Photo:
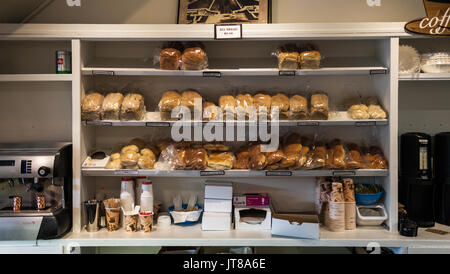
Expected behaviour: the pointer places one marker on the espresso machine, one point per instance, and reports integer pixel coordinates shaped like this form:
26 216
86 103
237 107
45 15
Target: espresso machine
35 191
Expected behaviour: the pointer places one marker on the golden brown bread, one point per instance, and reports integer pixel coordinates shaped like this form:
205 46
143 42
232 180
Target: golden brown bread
148 153
353 158
146 162
196 159
291 156
376 112
170 59
338 154
281 101
319 106
310 59
288 60
133 107
262 102
133 148
91 107
216 147
244 102
298 104
242 160
274 157
115 156
114 164
257 161
359 112
111 106
227 103
210 111
194 58
129 158
221 161
188 99
169 101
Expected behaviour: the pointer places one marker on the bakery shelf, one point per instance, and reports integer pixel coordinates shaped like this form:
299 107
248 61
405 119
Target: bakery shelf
425 77
234 173
234 72
35 77
153 119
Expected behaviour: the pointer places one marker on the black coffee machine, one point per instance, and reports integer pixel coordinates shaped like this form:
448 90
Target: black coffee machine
442 177
417 188
35 191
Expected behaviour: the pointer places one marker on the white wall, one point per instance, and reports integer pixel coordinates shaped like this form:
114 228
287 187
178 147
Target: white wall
284 11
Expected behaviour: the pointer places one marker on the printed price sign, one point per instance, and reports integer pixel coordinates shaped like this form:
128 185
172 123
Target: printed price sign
222 32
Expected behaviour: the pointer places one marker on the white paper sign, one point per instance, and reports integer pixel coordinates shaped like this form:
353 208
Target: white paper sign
228 32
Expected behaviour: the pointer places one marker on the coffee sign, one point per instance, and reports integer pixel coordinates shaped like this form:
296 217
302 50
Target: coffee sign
437 22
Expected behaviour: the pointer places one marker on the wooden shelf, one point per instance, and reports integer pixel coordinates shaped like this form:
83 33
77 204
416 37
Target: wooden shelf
425 77
35 77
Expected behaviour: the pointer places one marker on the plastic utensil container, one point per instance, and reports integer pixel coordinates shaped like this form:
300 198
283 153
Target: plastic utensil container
362 219
191 217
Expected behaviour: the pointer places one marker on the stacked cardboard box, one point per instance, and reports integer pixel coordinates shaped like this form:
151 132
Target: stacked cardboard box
217 206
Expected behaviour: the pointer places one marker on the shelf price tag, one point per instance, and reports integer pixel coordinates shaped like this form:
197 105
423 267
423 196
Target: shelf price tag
366 124
311 124
212 173
278 173
124 172
157 124
229 31
344 173
216 74
290 73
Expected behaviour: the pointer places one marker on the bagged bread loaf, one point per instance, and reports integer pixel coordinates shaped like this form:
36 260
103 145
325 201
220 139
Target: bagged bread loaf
194 57
353 157
170 56
262 102
319 106
169 101
298 107
242 160
228 105
309 58
338 154
210 111
133 107
359 112
373 158
188 99
281 102
91 107
196 159
111 106
316 156
288 57
221 161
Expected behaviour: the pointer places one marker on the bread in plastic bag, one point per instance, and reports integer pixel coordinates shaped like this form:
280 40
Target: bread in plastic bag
298 107
353 157
262 102
281 102
195 159
221 161
194 57
359 112
91 107
316 156
309 58
288 57
111 106
319 106
228 105
170 56
242 160
376 112
188 99
133 107
210 111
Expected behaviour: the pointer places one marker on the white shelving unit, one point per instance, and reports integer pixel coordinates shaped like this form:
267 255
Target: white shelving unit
364 59
425 77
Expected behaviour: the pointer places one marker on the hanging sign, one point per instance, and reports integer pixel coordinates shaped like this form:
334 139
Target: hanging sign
437 22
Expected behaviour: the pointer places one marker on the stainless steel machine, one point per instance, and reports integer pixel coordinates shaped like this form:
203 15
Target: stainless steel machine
35 191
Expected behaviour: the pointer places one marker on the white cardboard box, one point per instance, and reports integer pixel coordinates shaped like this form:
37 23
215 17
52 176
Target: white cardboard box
213 221
219 190
242 213
296 225
217 205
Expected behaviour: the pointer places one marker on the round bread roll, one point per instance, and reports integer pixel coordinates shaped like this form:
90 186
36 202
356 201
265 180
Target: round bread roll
132 148
114 156
188 98
129 158
114 164
244 101
210 111
281 101
148 153
146 162
227 102
261 101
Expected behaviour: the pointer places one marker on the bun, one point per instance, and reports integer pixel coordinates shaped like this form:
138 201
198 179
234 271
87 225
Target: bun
274 157
281 101
169 101
243 102
111 106
146 162
359 112
257 161
221 161
319 106
353 158
292 155
242 160
262 102
148 153
114 164
376 112
338 154
227 103
194 58
133 148
210 111
170 59
188 99
133 107
114 156
129 158
91 107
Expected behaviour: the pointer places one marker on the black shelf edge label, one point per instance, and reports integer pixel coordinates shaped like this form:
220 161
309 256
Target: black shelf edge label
378 71
99 123
366 124
214 74
212 173
125 172
290 73
103 72
157 124
313 124
227 31
344 173
277 173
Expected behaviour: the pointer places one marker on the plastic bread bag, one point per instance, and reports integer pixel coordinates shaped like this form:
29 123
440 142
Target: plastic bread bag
111 106
309 57
280 105
168 159
169 101
195 159
133 107
298 107
91 107
178 203
288 57
338 154
194 57
245 106
263 103
211 111
169 56
353 156
319 106
317 156
227 104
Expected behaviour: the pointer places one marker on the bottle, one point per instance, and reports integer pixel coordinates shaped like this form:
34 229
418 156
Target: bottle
127 194
147 196
139 181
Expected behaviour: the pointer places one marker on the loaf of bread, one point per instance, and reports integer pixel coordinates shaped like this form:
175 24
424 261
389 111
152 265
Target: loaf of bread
111 106
210 111
359 112
227 103
317 157
291 155
310 59
194 57
169 101
262 102
221 161
281 102
288 57
242 160
298 107
196 159
170 56
338 154
376 112
91 107
133 107
319 106
353 157
243 103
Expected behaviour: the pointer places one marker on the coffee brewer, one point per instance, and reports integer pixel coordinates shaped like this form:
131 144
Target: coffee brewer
417 187
35 191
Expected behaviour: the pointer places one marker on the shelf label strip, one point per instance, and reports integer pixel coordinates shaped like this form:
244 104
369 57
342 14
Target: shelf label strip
378 71
290 73
157 124
212 173
344 173
103 72
278 173
214 74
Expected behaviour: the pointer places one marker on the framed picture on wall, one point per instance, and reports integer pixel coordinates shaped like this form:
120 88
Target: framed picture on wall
224 11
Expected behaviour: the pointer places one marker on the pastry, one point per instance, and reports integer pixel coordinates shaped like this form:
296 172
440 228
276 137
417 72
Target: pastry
353 158
133 107
338 154
170 56
359 112
169 101
273 167
133 148
111 106
244 102
194 57
210 111
329 160
188 99
378 160
310 59
281 101
114 164
221 161
146 162
298 106
91 107
317 157
129 158
227 103
242 160
376 112
114 156
262 102
319 106
196 159
292 155
257 161
274 157
216 147
148 153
